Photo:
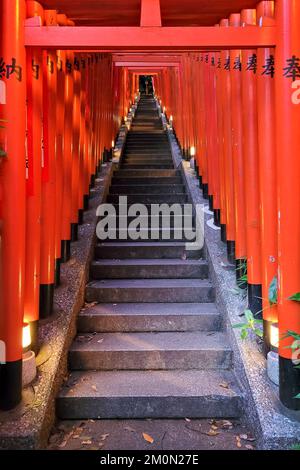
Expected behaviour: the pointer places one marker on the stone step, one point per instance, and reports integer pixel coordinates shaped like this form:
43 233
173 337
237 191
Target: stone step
150 250
147 173
146 180
150 198
145 290
147 189
149 269
151 351
141 166
149 317
149 394
130 234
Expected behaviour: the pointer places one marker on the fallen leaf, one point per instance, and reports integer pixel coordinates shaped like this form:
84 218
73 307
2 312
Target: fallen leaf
224 385
94 387
100 340
212 432
63 444
244 437
249 447
187 419
238 442
148 438
104 436
86 443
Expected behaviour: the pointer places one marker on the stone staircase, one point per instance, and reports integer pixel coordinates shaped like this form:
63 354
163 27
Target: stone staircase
153 346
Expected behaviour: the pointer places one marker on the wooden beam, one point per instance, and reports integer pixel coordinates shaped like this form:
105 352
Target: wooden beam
146 64
150 13
154 38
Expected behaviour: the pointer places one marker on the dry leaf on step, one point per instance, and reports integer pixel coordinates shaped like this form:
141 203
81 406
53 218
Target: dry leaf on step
104 436
212 432
148 438
238 442
224 385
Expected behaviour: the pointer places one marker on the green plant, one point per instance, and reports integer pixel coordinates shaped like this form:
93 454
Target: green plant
251 324
273 291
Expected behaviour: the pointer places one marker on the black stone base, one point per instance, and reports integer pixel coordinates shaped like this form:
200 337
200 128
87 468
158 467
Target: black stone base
80 217
217 217
289 384
205 190
241 271
255 300
10 384
46 300
211 203
34 330
231 251
65 250
86 203
74 232
223 233
57 272
92 181
267 335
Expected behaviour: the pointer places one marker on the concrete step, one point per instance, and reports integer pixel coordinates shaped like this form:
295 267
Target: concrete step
149 394
149 269
150 250
146 290
149 317
147 189
150 198
151 351
153 173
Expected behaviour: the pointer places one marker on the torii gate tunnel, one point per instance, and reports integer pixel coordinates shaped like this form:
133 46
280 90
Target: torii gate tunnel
228 77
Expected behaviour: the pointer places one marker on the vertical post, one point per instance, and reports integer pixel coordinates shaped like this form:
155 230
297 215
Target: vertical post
12 179
251 166
67 162
237 157
227 142
60 120
33 189
48 215
75 150
267 170
287 84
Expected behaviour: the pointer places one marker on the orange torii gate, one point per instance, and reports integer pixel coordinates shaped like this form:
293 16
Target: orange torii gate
247 61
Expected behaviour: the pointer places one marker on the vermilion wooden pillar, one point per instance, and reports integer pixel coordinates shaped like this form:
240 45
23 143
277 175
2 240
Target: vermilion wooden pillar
67 161
48 205
82 138
251 167
34 146
237 157
75 149
287 88
12 179
227 143
60 121
267 170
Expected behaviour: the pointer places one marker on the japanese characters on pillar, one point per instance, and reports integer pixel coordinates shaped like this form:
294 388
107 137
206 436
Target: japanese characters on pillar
13 197
287 88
